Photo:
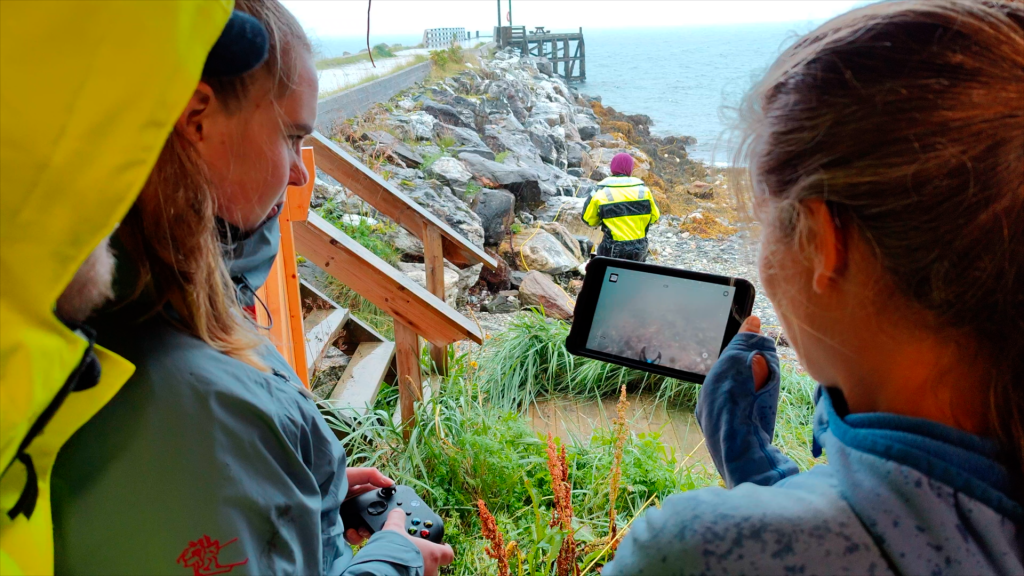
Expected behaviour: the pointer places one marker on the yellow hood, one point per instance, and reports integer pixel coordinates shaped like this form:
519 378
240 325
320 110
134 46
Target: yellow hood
89 91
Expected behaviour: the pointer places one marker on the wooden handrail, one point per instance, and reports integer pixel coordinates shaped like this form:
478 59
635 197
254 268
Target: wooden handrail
394 204
393 292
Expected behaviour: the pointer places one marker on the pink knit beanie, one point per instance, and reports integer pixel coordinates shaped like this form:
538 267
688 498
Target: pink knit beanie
622 164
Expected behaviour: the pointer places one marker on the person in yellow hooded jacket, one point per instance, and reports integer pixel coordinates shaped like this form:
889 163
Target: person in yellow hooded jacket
90 91
625 210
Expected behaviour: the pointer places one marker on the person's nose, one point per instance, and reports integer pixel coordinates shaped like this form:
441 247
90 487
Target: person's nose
298 175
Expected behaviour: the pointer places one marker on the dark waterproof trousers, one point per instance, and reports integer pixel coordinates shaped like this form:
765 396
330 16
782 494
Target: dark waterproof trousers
635 250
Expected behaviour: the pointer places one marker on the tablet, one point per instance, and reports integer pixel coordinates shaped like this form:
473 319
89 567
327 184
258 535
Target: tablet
659 319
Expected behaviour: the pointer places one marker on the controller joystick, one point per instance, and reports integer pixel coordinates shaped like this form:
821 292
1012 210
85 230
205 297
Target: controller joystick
370 510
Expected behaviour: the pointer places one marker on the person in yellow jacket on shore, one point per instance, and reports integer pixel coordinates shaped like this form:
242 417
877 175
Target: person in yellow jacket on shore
90 91
625 209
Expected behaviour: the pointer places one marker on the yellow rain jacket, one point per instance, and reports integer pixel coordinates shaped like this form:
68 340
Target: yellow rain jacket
89 91
623 206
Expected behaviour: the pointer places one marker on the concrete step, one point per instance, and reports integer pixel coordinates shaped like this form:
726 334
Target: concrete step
358 387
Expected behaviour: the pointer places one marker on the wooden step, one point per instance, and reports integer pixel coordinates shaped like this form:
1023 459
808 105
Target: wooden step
358 387
323 330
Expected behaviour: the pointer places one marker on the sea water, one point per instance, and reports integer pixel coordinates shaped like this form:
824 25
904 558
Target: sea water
688 80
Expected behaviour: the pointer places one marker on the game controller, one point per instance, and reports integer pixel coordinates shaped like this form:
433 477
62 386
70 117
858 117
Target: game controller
370 510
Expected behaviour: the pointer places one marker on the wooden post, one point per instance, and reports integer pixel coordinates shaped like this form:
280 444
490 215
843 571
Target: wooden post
565 54
583 57
433 258
293 302
410 380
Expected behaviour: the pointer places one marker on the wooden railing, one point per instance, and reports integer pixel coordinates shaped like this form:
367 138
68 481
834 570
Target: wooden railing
417 311
440 242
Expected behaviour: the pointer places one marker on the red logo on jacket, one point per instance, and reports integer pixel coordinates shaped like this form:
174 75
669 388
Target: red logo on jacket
201 557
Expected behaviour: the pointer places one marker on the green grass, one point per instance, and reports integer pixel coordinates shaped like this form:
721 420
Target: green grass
464 448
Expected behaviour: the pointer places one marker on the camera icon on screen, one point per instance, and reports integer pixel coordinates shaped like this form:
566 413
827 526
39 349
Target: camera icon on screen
613 277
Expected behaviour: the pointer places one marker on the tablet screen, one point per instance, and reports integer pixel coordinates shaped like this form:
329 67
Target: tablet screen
673 322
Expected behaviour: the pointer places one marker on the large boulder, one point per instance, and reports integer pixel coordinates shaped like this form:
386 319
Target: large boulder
405 242
574 152
421 125
418 273
523 183
553 113
496 209
587 128
446 114
550 143
481 151
498 279
462 136
539 290
439 200
558 205
403 151
536 249
568 240
452 173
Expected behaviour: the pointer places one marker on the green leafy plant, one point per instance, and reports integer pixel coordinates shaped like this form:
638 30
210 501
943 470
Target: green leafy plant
500 156
446 142
472 189
440 59
382 51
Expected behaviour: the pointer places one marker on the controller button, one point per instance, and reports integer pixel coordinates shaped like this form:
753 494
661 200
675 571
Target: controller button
398 503
408 513
424 533
412 531
415 521
428 524
377 507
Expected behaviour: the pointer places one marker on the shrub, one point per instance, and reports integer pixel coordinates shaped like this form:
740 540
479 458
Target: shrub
500 156
440 59
383 51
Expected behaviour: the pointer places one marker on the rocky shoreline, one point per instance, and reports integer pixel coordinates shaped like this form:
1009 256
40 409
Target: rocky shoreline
506 153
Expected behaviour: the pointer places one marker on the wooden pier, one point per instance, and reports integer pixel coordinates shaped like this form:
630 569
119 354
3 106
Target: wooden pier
566 51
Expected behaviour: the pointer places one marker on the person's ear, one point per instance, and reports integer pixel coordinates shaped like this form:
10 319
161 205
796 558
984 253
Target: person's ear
196 113
830 257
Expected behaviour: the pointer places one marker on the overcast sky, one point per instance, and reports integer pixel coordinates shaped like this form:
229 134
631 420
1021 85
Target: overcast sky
345 18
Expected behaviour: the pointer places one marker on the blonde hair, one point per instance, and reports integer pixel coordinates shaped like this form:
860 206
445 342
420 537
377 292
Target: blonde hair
171 234
906 118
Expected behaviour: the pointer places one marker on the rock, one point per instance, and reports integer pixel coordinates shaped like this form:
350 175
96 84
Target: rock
517 142
468 277
544 66
586 244
462 136
552 113
600 173
440 201
481 151
399 173
501 304
574 152
404 152
407 105
701 190
558 205
339 196
422 125
538 250
550 143
587 128
563 235
539 290
356 220
575 286
498 279
452 173
523 183
516 278
445 113
405 242
495 209
526 218
418 273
